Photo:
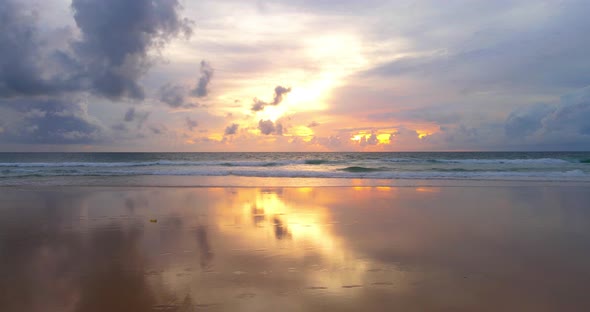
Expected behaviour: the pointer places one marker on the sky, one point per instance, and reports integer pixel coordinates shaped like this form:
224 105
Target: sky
298 75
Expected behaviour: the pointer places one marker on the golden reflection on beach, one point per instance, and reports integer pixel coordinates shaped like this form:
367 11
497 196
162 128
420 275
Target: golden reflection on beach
293 249
263 221
428 189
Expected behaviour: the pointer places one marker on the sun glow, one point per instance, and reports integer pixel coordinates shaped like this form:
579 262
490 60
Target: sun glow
273 112
358 137
331 59
382 138
301 131
423 133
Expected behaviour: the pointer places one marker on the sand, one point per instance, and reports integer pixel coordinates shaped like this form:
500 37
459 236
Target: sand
484 248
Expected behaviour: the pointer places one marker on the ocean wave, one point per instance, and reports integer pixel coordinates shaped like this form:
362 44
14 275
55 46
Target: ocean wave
149 164
318 161
524 161
484 161
359 169
491 161
401 160
278 163
360 173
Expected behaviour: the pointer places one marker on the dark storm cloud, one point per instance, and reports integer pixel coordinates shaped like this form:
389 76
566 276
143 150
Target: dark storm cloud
20 54
268 127
116 38
51 122
206 74
108 59
231 129
280 92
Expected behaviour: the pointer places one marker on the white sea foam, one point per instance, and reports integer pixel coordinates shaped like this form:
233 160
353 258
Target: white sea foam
323 165
244 172
522 161
526 161
150 163
233 163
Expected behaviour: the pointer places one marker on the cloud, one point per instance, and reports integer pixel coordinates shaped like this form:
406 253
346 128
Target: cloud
473 56
527 120
406 138
313 124
563 124
190 123
41 73
116 37
280 91
231 129
443 114
372 140
51 122
267 127
258 105
137 116
572 114
21 58
175 95
158 129
172 95
109 58
331 142
200 89
120 127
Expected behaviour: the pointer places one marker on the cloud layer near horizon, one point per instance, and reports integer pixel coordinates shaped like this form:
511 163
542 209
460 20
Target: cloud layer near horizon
126 74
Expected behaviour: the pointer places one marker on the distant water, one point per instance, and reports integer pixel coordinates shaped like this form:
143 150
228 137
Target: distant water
542 166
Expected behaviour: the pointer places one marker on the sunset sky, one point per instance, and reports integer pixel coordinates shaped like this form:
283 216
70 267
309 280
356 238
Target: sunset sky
299 75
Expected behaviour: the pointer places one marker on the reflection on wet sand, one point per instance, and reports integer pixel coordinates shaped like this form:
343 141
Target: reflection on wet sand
294 249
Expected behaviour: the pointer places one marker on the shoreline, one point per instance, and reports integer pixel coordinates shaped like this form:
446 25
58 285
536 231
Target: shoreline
253 182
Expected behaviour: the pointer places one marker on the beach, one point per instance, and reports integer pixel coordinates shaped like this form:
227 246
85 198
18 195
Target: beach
446 247
294 156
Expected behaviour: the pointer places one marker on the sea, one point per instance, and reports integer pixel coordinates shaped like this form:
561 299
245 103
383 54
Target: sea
56 168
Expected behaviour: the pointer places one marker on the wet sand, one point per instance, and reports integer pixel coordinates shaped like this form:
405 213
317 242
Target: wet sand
492 248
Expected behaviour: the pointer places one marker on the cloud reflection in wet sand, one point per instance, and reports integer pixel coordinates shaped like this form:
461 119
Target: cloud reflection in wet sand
294 249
